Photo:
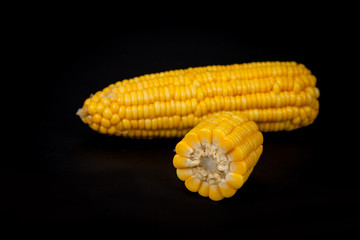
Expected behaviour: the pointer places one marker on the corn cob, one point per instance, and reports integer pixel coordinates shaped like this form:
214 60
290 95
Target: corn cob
276 95
217 156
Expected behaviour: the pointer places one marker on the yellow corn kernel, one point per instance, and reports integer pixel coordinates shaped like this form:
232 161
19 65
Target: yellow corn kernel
103 130
95 126
105 123
107 113
96 118
183 149
114 107
91 108
184 173
204 189
181 162
111 130
100 107
241 167
276 95
192 139
226 190
193 183
235 180
115 119
203 159
215 193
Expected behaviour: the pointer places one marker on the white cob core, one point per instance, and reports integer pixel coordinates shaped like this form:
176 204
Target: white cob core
210 164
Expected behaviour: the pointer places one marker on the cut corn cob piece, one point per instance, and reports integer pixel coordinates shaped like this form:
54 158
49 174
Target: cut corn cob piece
216 157
276 95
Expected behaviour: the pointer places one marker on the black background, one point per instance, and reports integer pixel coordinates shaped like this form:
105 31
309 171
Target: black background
68 177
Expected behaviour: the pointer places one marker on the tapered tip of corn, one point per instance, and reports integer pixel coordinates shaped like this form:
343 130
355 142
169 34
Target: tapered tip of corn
218 155
79 113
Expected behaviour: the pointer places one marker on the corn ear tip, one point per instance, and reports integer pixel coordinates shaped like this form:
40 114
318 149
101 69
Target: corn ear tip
81 113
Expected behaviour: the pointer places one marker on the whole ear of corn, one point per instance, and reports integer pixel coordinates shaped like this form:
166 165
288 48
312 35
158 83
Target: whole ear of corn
217 156
276 95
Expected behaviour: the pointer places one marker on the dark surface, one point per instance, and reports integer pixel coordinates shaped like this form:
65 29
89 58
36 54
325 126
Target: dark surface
70 177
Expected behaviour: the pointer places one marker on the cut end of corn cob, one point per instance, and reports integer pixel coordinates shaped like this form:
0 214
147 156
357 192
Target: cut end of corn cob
276 95
217 156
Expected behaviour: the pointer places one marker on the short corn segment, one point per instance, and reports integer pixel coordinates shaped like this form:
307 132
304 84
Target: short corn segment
217 156
276 95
